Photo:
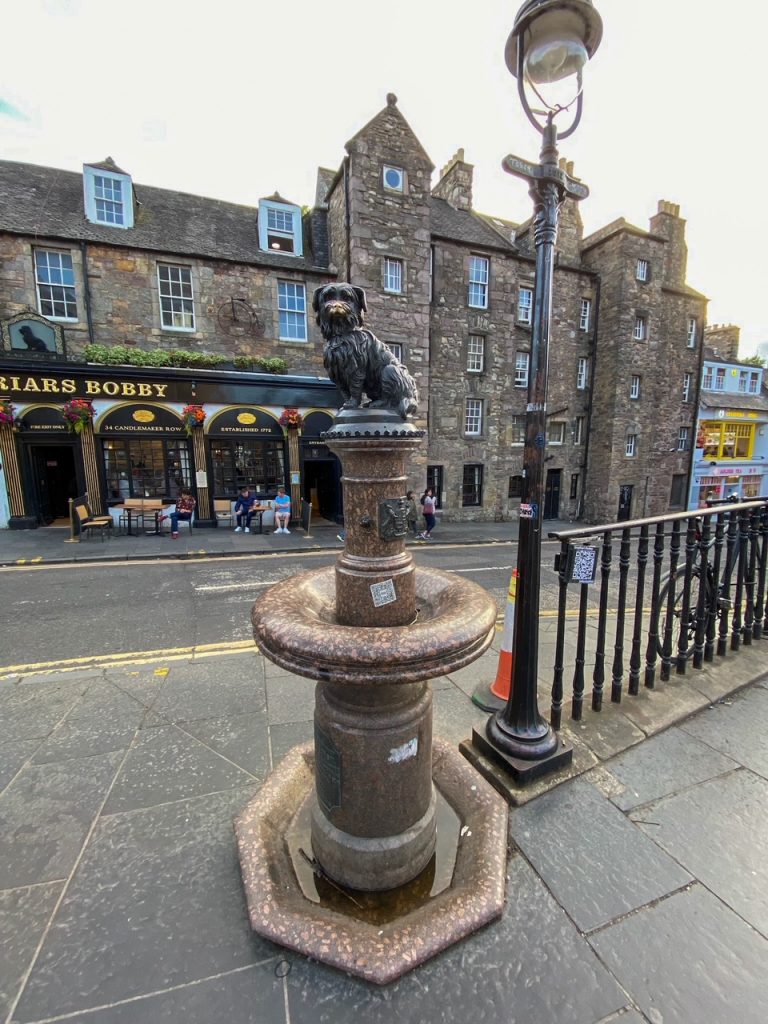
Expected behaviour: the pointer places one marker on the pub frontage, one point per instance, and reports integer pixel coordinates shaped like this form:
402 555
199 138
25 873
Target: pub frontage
117 432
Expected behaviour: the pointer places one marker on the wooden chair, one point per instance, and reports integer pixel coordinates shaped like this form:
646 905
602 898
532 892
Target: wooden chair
222 509
88 522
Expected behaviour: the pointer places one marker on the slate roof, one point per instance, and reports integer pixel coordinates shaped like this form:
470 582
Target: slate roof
464 226
734 400
48 202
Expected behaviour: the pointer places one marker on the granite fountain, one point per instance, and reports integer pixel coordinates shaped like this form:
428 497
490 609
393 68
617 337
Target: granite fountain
376 846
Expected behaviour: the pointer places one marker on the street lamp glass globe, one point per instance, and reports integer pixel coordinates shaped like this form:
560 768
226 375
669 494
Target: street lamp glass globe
554 57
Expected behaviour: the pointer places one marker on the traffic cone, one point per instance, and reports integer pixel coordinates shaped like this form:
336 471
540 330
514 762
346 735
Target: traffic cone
494 697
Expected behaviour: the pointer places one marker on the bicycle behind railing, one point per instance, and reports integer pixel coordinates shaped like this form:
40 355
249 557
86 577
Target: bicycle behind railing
703 594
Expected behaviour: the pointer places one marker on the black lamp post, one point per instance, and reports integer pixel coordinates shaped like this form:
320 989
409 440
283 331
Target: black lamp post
549 45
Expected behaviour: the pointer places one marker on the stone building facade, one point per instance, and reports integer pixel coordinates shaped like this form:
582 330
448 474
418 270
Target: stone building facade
449 289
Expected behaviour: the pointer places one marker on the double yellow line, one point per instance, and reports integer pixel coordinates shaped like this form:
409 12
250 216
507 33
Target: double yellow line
103 661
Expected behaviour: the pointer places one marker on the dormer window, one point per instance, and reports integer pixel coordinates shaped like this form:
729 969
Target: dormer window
280 227
108 194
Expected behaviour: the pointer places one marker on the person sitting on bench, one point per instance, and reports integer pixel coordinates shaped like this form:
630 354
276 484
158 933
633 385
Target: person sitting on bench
244 509
185 506
282 504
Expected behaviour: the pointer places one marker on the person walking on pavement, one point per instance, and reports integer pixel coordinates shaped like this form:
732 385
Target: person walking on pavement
244 509
282 505
428 511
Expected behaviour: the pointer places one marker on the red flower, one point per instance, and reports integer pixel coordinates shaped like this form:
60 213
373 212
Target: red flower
291 417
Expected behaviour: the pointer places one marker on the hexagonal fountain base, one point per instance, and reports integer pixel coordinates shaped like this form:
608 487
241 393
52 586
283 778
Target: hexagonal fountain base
380 953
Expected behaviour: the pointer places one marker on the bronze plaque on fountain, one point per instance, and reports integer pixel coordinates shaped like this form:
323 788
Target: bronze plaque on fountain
327 771
393 518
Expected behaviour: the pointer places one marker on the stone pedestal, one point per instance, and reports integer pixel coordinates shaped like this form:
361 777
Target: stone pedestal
373 631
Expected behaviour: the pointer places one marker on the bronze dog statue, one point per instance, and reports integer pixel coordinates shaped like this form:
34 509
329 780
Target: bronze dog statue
354 358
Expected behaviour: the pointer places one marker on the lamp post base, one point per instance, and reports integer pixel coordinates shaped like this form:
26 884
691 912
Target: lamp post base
524 770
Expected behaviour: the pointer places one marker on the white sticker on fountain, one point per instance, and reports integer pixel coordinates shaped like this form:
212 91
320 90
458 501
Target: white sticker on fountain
405 752
383 593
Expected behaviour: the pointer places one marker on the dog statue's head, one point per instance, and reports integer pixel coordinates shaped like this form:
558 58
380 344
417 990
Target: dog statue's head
340 308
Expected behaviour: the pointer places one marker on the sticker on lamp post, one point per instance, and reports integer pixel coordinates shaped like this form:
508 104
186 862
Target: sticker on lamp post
383 593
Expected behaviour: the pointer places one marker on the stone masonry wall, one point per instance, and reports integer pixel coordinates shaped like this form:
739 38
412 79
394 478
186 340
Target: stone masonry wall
125 304
452 323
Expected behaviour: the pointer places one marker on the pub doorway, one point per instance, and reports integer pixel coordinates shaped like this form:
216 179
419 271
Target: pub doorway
321 485
54 480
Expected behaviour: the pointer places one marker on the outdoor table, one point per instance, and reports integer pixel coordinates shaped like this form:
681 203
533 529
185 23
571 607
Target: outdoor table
139 512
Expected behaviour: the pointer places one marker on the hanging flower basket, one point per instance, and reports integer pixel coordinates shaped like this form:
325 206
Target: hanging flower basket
291 417
78 413
193 417
7 412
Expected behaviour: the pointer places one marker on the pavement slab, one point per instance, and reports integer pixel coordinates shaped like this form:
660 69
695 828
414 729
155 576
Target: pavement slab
718 830
45 815
211 690
28 710
592 858
737 727
168 764
688 958
13 754
243 740
664 764
157 902
290 698
236 997
510 972
283 738
24 913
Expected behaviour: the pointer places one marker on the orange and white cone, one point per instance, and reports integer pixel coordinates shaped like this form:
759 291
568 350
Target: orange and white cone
495 696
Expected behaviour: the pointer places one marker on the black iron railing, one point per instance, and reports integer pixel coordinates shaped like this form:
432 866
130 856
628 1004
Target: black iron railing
666 593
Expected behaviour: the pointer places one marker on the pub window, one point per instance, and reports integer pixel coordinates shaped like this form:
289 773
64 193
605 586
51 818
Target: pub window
435 481
640 332
683 437
691 336
641 270
630 445
578 430
177 307
292 311
392 274
479 271
582 374
146 468
258 465
396 349
521 369
55 280
687 381
472 486
634 386
585 314
723 440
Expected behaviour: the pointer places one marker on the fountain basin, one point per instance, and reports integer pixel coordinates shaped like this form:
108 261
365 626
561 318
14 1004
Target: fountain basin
378 952
295 626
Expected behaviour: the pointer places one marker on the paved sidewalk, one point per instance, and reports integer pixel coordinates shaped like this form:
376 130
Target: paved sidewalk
637 892
51 544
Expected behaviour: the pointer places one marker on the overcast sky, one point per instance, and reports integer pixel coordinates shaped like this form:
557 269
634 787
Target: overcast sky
239 98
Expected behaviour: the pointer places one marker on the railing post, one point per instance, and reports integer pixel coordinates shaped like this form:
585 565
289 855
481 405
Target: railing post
763 558
634 659
651 651
704 607
666 647
683 640
725 603
741 572
749 616
577 701
617 671
709 643
598 676
556 710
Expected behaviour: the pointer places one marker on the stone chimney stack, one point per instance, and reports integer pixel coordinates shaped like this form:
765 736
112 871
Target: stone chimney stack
669 224
570 228
455 184
725 339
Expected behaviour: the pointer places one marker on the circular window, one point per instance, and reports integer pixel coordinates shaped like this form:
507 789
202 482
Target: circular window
393 178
